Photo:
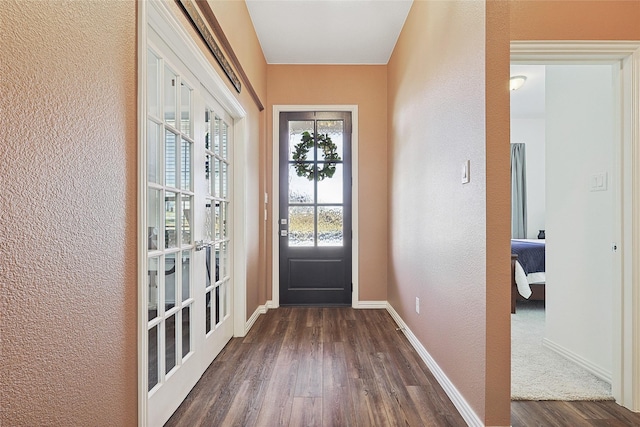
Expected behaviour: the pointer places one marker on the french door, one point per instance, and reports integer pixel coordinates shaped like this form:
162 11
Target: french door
188 244
315 208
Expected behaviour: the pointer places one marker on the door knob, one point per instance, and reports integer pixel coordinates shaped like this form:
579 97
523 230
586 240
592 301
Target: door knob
201 244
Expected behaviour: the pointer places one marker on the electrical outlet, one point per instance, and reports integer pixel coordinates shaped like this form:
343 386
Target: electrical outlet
417 305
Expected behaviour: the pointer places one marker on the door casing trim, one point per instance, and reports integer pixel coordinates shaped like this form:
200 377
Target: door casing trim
275 195
626 304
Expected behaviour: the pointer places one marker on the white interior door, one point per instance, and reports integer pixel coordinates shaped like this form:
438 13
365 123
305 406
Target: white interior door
188 204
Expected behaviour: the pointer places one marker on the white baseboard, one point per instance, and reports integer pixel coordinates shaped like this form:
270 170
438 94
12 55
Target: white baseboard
578 360
371 304
458 400
262 309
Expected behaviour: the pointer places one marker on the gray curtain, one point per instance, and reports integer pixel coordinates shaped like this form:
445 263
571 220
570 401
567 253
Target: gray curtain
518 192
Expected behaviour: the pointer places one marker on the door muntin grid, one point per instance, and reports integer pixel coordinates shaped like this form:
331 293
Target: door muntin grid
217 209
169 217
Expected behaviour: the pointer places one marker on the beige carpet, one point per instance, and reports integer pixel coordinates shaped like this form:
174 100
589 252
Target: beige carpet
538 373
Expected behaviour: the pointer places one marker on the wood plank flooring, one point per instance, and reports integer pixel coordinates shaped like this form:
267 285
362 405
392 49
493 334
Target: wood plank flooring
344 367
318 367
575 414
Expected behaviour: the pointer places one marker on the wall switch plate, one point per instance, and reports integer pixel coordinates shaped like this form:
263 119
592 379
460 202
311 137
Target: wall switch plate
466 175
417 305
598 182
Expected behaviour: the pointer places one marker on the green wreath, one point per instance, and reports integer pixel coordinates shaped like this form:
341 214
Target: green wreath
301 149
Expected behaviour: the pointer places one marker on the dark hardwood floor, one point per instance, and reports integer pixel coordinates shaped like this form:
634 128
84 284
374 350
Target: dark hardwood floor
344 367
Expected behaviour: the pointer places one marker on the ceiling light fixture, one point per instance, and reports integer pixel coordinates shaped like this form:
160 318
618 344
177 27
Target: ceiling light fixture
516 82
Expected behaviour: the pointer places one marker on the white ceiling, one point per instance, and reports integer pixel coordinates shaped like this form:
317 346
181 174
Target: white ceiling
357 32
328 31
528 101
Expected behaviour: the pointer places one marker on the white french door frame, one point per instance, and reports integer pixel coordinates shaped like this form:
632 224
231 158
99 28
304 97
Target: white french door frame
159 16
626 297
275 195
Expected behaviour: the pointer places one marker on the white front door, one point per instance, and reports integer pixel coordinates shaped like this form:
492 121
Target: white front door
188 246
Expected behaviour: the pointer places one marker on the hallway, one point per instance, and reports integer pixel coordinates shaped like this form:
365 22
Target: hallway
309 366
318 366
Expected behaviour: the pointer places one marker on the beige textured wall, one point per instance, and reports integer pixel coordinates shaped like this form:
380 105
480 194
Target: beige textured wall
68 206
365 86
498 206
575 20
442 96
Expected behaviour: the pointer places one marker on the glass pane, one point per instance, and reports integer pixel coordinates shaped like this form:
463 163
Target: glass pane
169 159
185 223
225 180
330 189
296 128
153 152
153 357
169 281
153 218
216 135
225 216
224 260
185 109
153 84
152 285
207 173
224 140
217 262
207 314
207 129
208 221
170 238
186 275
170 342
185 165
226 298
186 330
170 80
330 221
216 179
207 281
217 220
300 188
217 304
301 226
334 130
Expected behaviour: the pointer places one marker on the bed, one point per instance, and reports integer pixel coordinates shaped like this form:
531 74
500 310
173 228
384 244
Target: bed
527 270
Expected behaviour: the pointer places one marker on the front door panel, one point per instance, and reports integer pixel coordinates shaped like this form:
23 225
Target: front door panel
315 208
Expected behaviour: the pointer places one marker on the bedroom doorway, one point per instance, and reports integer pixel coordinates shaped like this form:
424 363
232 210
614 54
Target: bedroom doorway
602 181
567 139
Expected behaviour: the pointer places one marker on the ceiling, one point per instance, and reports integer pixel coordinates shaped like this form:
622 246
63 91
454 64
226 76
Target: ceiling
528 101
328 31
357 32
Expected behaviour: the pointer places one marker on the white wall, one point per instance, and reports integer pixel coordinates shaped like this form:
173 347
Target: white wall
579 222
531 132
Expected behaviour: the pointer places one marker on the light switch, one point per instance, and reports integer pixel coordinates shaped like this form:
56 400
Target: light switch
466 176
598 182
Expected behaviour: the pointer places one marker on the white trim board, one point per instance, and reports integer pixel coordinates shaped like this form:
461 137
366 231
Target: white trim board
275 196
577 359
467 413
625 375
